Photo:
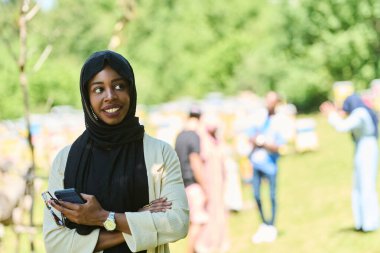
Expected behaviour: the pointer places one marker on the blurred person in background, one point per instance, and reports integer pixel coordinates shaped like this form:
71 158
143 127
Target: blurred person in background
233 191
362 122
134 196
188 148
214 234
266 140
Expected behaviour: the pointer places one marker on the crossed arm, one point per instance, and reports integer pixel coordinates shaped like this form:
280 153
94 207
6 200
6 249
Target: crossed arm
140 229
91 213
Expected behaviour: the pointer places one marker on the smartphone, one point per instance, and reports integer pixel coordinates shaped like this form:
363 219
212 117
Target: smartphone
69 195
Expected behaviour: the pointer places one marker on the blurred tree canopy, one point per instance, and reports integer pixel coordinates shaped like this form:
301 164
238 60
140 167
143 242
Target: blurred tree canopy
191 47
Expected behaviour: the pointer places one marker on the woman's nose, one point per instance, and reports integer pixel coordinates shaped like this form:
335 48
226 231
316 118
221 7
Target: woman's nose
110 94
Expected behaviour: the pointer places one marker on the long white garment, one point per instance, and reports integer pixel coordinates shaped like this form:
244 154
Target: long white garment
364 196
151 231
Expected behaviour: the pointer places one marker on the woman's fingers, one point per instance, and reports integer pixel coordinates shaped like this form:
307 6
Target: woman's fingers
160 207
87 213
158 201
67 209
157 205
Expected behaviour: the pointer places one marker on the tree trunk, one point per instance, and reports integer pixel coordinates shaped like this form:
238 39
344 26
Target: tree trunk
27 14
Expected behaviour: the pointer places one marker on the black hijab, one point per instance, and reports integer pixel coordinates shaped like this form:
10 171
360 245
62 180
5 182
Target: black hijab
108 160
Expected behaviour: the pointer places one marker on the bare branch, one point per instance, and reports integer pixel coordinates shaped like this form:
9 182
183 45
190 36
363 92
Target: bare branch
45 54
26 15
128 8
32 12
115 40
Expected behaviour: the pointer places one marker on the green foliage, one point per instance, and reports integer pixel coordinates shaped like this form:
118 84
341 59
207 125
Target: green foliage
56 84
342 35
10 97
190 48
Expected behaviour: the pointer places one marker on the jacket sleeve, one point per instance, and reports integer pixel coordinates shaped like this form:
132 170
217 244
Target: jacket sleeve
350 123
61 239
150 230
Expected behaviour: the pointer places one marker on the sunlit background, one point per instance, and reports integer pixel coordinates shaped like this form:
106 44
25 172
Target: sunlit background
224 55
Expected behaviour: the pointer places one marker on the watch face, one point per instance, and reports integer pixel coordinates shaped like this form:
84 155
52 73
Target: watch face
109 225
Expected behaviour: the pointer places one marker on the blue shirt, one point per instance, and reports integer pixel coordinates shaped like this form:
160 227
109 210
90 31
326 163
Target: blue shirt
261 158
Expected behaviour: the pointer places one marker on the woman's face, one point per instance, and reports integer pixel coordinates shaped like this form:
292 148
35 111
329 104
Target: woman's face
109 96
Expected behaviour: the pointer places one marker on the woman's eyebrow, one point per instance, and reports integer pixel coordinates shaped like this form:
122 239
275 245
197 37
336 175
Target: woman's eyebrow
96 82
117 79
113 80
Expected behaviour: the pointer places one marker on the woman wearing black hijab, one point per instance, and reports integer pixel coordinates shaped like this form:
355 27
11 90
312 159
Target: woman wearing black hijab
132 183
362 122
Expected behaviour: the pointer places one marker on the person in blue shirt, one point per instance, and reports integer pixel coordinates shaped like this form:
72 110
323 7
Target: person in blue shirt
266 140
362 123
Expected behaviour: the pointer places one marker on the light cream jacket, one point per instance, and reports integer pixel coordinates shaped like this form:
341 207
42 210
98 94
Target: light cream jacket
150 231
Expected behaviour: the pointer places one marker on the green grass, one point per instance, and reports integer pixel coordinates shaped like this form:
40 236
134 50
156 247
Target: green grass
314 206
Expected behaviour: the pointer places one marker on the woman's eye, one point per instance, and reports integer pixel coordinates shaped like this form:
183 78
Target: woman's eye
119 86
98 90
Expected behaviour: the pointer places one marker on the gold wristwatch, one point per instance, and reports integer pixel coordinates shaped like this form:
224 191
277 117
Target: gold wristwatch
110 223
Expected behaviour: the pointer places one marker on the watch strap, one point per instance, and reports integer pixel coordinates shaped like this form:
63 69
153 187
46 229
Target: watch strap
111 216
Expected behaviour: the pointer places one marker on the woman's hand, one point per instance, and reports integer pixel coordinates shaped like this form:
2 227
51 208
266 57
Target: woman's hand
327 107
260 140
158 205
89 213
